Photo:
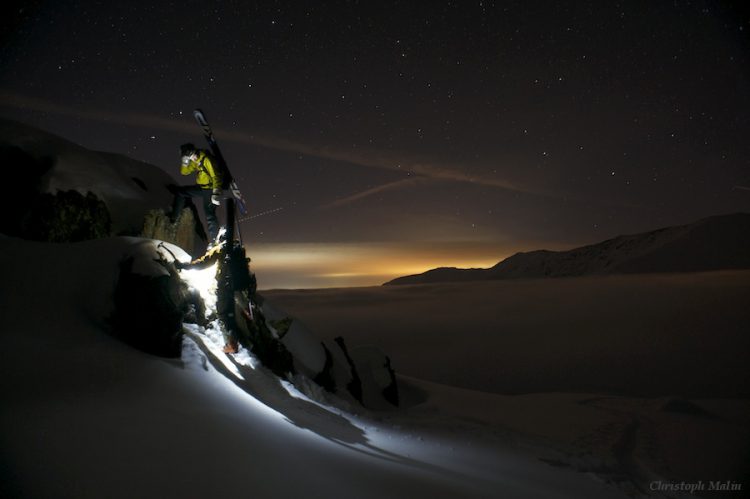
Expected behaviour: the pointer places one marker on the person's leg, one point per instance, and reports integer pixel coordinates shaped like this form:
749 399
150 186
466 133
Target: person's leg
177 205
181 195
211 220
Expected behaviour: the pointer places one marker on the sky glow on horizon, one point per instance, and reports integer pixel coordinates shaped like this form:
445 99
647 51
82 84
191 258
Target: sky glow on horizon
330 265
521 125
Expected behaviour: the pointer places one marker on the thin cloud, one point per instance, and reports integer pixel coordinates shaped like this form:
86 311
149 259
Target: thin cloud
397 184
742 187
131 119
365 158
372 159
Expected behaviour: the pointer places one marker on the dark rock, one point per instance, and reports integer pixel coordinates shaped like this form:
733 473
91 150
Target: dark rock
27 175
390 392
683 406
157 225
355 385
325 377
149 310
281 326
67 216
140 183
269 350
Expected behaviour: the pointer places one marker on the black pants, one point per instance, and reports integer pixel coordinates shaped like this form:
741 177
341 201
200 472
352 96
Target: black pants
185 192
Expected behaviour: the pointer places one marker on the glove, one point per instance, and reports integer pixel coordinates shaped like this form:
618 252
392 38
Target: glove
216 197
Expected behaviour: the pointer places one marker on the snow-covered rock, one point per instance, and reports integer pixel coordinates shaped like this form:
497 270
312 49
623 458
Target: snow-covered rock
150 299
44 165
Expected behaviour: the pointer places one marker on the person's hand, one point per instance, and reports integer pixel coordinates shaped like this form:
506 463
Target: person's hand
216 197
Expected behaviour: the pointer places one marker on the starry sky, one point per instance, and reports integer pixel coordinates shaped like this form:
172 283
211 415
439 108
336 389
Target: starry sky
377 139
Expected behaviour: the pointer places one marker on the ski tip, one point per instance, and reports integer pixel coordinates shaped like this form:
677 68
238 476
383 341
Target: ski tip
200 118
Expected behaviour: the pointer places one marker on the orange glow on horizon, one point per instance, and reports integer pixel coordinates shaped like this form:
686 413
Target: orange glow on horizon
326 265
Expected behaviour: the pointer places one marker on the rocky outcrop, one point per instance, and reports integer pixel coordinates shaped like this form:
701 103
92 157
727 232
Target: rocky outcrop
149 309
62 192
157 225
63 217
59 217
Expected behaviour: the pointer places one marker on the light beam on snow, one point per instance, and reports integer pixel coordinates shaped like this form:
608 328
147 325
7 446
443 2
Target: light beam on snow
212 337
219 355
204 280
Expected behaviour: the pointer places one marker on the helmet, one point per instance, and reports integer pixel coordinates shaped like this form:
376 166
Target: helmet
187 149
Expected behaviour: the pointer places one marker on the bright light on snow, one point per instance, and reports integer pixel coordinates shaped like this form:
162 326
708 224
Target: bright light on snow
215 350
204 280
212 336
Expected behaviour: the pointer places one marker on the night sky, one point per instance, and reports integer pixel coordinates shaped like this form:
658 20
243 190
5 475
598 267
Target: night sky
400 136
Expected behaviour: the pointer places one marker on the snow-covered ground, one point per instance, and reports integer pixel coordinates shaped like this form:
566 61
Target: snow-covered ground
648 335
639 376
85 415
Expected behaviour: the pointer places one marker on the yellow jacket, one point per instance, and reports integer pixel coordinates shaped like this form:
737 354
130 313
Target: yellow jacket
209 176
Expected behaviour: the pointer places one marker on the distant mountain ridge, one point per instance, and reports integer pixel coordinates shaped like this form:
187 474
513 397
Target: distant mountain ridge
713 243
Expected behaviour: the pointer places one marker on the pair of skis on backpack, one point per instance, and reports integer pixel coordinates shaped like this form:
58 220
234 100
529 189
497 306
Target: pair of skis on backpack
229 182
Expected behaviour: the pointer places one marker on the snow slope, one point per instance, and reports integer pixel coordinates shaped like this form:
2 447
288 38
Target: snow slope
638 376
84 415
643 335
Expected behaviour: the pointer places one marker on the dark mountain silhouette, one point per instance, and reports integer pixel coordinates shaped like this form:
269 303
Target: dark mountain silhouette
714 243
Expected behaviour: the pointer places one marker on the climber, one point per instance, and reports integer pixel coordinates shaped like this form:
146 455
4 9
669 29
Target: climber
208 186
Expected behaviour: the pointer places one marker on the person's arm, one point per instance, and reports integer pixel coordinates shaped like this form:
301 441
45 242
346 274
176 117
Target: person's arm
213 173
204 261
187 168
216 182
